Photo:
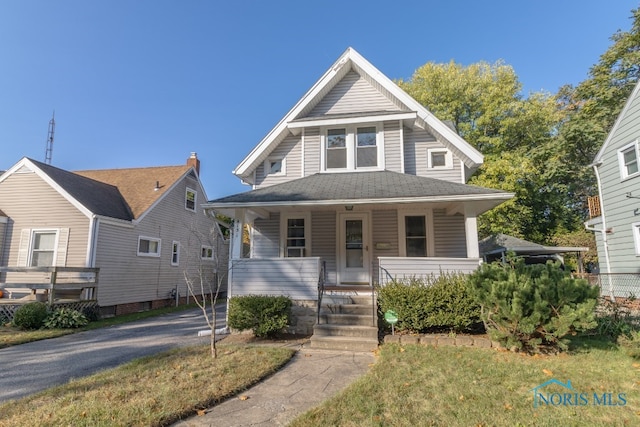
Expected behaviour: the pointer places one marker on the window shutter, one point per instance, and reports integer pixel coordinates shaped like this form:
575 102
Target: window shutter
23 249
61 252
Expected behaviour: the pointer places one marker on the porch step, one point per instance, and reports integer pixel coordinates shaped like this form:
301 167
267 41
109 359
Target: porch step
348 319
345 331
359 309
344 343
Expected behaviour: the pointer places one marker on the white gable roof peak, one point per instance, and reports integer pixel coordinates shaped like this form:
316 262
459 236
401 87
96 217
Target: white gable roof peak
469 155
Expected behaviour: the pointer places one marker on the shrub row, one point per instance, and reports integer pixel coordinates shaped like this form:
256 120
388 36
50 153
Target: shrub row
37 315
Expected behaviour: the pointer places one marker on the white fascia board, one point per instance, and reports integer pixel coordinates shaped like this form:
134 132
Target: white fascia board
598 159
473 155
245 165
467 198
114 221
351 120
29 164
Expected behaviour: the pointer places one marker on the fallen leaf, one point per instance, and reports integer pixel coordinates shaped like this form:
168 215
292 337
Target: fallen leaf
401 349
201 412
508 407
636 365
243 397
308 355
461 397
547 372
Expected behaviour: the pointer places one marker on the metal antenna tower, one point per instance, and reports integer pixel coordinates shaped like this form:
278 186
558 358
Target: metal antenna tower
49 149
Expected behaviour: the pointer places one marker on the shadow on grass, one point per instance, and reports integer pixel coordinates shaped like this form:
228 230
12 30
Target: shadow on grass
586 343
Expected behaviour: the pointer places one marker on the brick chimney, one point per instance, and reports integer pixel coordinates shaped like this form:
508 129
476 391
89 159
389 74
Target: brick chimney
194 161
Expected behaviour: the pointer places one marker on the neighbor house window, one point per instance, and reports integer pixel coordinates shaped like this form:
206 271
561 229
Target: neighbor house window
295 235
415 236
353 148
206 253
438 158
274 166
336 149
190 200
175 253
43 248
148 246
628 160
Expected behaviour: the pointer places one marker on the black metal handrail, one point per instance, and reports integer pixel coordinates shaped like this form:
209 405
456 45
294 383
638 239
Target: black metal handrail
320 288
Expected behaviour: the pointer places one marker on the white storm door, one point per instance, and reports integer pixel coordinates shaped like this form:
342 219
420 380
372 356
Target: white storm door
353 249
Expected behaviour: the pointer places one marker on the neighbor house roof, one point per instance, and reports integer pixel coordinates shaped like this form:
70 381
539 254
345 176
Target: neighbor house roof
354 188
352 60
498 243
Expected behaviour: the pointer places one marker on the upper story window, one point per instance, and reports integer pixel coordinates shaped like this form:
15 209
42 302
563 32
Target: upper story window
190 200
43 248
274 166
628 160
351 148
148 246
439 158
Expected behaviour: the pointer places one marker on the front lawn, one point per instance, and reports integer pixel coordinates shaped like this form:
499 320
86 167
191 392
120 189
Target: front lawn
415 385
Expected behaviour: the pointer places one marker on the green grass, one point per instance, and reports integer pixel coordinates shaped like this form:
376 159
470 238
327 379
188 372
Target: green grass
415 385
150 391
10 335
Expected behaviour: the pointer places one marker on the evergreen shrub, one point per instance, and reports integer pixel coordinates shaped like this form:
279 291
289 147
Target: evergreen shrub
266 316
443 303
533 307
31 316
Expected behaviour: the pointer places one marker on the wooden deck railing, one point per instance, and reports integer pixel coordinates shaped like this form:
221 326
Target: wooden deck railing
79 281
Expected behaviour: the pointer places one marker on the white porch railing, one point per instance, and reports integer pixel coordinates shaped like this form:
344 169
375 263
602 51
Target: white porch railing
296 278
406 267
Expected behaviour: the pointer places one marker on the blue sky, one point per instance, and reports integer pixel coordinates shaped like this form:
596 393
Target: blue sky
146 82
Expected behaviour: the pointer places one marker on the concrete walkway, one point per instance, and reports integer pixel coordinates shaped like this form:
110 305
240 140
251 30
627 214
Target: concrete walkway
308 379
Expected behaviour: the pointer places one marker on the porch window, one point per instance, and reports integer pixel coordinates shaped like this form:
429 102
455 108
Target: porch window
43 249
336 149
628 159
295 237
416 236
148 246
366 150
190 200
175 253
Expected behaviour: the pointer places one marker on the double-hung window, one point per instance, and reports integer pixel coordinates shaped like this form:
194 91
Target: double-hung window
175 253
628 160
295 235
352 148
416 231
43 248
190 200
336 149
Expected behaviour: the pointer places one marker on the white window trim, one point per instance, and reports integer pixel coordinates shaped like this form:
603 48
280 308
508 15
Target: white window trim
623 169
448 158
207 258
284 217
267 166
195 199
351 147
635 229
428 214
32 241
175 244
151 239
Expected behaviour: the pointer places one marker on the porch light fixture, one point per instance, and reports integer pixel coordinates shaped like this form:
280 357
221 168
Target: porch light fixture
349 207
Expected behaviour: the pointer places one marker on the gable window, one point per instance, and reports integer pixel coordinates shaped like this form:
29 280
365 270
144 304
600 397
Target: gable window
352 148
628 159
175 253
295 235
43 248
439 158
336 149
206 253
274 166
148 246
190 200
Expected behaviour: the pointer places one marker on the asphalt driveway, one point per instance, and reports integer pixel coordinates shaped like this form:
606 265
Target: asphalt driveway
32 367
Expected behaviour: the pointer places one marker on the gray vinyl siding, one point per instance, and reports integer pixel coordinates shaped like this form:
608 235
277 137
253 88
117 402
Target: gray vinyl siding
266 237
352 94
407 268
619 210
126 277
44 208
384 240
393 146
416 146
323 241
449 235
311 151
289 149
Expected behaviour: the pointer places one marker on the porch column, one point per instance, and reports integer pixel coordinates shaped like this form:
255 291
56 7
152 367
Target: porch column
471 231
236 237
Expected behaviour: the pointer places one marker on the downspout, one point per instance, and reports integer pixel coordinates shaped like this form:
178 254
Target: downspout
605 243
93 241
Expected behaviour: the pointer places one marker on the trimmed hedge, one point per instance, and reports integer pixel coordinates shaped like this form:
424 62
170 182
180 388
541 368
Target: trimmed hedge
443 303
265 315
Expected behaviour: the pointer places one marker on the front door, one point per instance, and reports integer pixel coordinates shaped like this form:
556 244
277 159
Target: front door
353 249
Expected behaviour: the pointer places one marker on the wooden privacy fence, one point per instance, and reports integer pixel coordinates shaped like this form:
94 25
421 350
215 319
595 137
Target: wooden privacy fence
72 283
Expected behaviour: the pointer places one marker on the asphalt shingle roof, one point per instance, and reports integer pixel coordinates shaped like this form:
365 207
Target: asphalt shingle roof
376 185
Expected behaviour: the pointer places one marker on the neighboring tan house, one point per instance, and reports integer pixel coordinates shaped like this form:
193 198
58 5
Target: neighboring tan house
615 212
144 228
357 184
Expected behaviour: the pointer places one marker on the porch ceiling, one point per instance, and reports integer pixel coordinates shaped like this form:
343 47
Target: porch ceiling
362 188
